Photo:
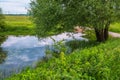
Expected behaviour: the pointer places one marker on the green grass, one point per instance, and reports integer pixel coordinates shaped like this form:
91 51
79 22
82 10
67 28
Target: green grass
115 27
18 21
18 25
96 62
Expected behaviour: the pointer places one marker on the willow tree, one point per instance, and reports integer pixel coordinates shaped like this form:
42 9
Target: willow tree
62 15
2 22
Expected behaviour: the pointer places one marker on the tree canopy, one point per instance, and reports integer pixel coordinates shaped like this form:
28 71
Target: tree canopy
62 15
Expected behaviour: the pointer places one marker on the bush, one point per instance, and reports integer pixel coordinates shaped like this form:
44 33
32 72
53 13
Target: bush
55 49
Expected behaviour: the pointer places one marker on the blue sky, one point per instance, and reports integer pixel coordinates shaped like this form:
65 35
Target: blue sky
14 6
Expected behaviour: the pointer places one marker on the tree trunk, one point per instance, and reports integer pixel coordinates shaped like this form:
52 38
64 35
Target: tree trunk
106 35
101 34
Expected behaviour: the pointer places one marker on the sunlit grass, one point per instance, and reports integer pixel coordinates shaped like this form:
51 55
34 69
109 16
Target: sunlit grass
115 27
18 25
18 21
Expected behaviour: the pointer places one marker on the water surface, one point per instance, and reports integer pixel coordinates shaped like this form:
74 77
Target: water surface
21 51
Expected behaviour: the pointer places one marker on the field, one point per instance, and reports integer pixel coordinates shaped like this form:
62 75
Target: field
18 25
18 21
115 27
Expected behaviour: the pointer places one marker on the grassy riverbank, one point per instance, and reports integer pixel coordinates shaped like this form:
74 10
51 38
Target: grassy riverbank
18 25
93 62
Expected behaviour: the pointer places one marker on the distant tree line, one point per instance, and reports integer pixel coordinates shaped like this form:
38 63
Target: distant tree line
17 14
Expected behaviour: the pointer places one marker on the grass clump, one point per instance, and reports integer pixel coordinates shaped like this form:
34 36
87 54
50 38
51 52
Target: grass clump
99 62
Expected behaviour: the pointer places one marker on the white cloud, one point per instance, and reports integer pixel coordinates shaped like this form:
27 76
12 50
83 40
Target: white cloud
14 6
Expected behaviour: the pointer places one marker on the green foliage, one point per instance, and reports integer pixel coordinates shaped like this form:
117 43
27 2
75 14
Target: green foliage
47 15
2 22
56 49
100 62
78 44
90 34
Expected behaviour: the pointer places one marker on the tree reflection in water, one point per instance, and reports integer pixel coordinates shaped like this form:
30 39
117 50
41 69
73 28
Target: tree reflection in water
3 54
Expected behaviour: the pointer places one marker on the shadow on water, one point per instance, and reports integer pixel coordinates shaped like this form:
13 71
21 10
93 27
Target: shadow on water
2 39
3 55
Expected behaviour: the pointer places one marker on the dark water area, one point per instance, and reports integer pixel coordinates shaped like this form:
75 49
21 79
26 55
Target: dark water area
19 52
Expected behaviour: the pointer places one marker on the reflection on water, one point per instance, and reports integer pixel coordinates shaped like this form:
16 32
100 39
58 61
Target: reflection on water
2 39
21 52
18 52
3 55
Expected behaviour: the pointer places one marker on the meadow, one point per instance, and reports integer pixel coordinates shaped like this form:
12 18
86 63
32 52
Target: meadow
18 25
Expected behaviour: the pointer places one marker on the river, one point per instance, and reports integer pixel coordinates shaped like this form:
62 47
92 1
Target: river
17 52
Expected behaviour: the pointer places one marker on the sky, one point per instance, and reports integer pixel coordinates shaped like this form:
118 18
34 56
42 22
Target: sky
14 6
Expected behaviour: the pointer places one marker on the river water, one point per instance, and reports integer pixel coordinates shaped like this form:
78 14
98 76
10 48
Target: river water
19 52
